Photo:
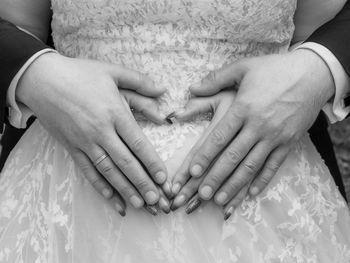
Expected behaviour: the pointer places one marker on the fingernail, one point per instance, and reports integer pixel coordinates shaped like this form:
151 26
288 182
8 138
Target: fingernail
151 197
120 209
152 209
136 201
170 118
179 201
160 177
228 213
107 193
206 192
193 205
176 188
164 204
254 191
167 190
221 198
196 170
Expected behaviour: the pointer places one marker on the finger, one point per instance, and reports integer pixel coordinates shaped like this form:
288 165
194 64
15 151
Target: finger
148 107
270 168
196 106
164 203
188 191
227 163
225 77
231 206
244 174
117 179
119 203
216 142
139 145
221 104
134 80
126 163
92 175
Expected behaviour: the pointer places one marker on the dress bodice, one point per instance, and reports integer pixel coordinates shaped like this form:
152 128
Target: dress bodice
174 42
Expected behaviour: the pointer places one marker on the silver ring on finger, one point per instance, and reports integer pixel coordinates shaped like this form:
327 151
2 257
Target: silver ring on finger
100 159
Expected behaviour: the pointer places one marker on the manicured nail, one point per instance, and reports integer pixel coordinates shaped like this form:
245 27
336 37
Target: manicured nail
160 177
228 213
196 170
151 209
136 201
193 205
254 191
221 198
120 209
179 200
107 193
164 204
206 192
167 190
176 188
170 118
151 197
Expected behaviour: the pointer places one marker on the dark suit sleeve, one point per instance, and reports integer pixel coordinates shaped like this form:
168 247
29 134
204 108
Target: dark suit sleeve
335 35
16 47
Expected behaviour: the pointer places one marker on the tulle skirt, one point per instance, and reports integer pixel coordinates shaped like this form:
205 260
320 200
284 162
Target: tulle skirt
50 213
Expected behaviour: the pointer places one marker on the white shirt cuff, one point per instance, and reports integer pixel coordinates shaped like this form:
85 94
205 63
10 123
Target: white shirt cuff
18 112
335 110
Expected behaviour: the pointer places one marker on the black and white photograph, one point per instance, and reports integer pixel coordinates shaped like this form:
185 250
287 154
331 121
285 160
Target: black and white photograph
174 131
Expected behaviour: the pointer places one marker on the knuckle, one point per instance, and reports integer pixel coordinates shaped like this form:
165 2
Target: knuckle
124 162
218 138
265 179
272 166
153 166
215 181
233 156
250 167
138 145
125 191
142 184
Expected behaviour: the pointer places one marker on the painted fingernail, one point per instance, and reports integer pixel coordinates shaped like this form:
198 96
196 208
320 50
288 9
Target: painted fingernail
152 209
136 201
196 170
254 191
228 213
170 118
151 197
164 204
120 209
206 192
221 198
107 193
176 188
193 205
160 177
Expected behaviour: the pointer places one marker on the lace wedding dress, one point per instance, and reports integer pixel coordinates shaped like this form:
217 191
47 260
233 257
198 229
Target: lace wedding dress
50 213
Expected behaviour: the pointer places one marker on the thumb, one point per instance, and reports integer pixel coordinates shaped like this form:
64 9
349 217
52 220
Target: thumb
148 107
196 106
134 80
228 76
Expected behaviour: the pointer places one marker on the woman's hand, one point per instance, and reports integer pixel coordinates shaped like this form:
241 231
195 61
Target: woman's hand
79 103
186 187
278 99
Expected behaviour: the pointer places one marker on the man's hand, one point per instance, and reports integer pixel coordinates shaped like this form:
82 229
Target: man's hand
79 103
278 99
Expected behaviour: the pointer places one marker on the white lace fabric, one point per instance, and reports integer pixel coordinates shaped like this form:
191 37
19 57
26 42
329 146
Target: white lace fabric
50 213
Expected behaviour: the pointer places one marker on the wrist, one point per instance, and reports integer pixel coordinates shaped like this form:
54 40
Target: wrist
317 73
28 87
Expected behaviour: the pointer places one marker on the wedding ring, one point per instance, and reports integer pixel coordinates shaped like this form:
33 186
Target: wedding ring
100 159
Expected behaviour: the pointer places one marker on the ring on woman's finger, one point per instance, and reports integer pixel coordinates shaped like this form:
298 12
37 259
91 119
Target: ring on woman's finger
100 159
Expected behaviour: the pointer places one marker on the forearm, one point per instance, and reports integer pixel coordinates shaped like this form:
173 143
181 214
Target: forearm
16 47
